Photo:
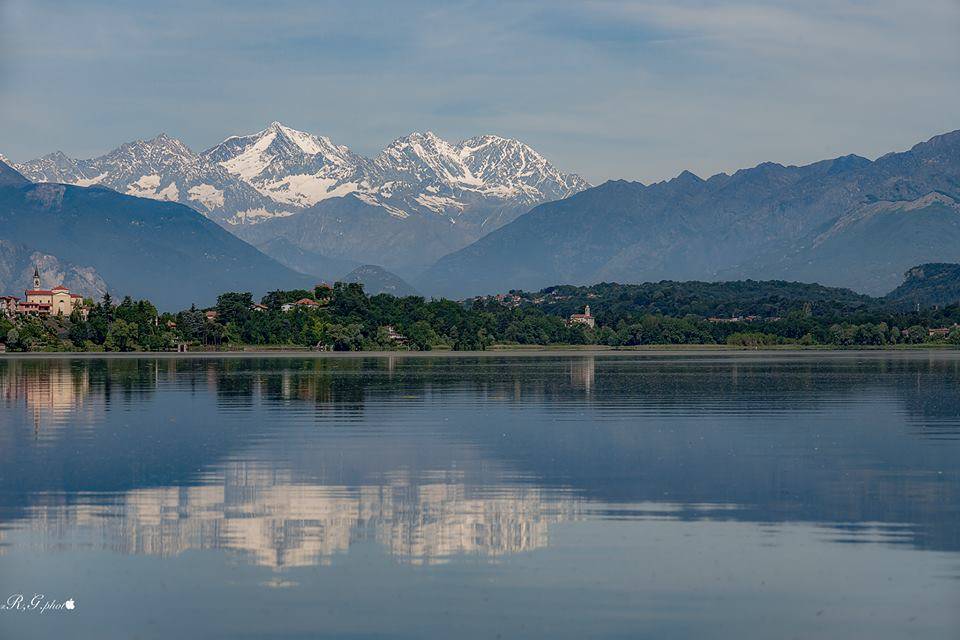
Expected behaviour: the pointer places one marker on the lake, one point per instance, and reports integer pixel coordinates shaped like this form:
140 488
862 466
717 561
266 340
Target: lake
617 495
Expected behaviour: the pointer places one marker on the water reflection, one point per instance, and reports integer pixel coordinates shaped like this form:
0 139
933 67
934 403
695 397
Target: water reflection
277 523
290 462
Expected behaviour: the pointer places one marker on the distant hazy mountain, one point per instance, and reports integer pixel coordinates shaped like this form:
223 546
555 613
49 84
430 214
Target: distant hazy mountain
140 247
845 222
927 285
868 247
378 280
350 228
309 262
17 264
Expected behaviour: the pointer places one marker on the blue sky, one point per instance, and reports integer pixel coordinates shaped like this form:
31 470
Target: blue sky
638 90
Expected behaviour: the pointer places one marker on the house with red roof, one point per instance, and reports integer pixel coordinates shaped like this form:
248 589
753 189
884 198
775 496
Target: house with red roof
57 301
583 318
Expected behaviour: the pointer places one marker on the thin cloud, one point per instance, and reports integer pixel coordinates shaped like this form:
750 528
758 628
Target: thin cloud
639 89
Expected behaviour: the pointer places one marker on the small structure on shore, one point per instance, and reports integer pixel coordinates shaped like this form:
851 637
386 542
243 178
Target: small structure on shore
583 318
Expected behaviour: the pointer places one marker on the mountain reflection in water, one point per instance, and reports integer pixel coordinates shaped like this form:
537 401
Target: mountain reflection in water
681 495
291 461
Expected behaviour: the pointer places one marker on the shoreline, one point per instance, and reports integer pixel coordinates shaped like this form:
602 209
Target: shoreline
567 351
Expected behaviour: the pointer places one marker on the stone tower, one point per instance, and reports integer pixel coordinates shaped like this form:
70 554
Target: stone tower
36 278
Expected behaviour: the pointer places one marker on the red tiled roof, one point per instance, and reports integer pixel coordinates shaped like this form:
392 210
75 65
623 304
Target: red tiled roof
75 295
306 301
39 292
60 288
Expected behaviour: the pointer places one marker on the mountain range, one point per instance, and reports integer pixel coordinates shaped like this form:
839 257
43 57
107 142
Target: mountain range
848 222
418 185
463 219
375 279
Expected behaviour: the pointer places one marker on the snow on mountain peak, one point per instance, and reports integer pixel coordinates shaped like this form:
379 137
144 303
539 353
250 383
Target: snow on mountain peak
289 166
305 142
280 170
421 157
162 168
298 168
510 168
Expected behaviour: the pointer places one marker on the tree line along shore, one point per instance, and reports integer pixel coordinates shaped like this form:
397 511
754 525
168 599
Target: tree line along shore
342 317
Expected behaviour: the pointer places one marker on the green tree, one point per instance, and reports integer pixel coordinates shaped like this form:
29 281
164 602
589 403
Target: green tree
234 307
122 336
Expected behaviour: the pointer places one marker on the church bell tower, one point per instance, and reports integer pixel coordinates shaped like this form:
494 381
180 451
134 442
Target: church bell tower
36 278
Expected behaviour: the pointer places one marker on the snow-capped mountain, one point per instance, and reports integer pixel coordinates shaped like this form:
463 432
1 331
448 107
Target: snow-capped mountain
509 168
418 172
162 168
487 180
488 165
56 167
475 185
289 166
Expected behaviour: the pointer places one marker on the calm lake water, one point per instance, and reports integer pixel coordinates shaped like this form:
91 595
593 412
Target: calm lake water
696 495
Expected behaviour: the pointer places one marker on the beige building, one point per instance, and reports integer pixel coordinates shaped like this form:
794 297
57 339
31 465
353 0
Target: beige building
583 318
56 301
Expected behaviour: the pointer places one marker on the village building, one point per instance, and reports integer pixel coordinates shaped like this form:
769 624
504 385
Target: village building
583 318
57 301
302 303
940 332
